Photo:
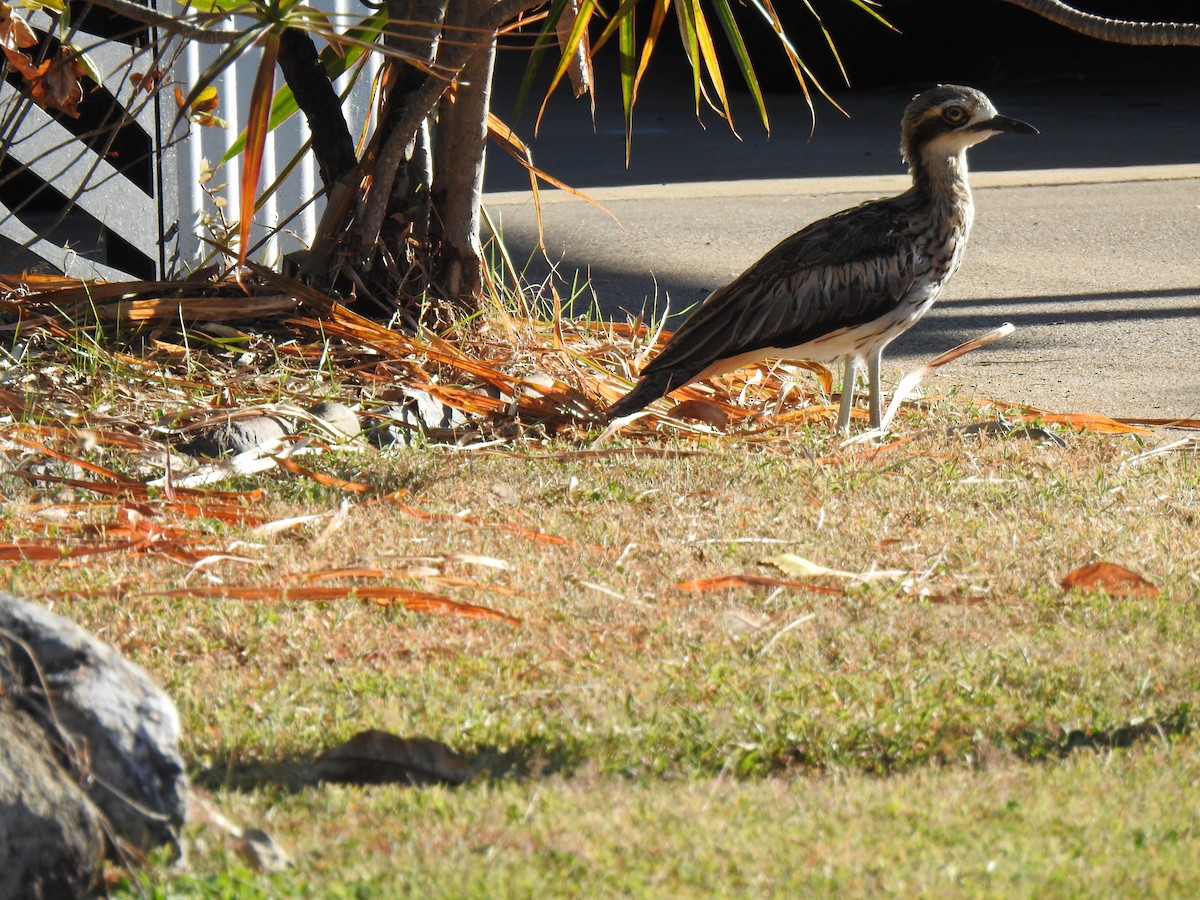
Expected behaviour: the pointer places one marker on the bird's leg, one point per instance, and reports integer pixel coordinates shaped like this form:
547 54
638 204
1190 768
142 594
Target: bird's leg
849 373
875 386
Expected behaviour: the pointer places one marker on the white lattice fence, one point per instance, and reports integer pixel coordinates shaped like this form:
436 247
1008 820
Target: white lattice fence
117 193
85 195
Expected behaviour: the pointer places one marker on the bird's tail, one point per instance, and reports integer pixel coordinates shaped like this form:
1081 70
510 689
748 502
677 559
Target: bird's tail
650 388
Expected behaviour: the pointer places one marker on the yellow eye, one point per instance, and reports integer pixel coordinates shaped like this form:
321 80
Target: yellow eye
955 115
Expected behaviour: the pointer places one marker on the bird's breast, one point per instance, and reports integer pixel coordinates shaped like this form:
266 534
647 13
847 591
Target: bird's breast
941 246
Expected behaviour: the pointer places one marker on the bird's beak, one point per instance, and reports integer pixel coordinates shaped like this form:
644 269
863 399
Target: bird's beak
1004 123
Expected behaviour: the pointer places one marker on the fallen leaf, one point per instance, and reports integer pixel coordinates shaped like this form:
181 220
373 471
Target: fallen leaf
54 551
1111 579
472 559
380 595
319 477
910 381
743 622
790 626
701 410
336 521
512 527
275 527
721 582
506 493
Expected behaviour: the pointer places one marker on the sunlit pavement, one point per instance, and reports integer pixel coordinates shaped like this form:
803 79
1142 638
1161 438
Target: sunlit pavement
1085 236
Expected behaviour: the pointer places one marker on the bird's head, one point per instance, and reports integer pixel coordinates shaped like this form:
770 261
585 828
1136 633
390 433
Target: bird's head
944 121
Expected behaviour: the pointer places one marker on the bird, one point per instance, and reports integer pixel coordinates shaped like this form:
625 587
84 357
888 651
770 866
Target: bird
847 285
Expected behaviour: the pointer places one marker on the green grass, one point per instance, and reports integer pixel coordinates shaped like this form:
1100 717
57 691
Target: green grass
1094 824
970 729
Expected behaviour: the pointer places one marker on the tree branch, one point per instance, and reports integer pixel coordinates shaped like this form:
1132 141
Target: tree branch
331 141
1115 31
458 171
173 24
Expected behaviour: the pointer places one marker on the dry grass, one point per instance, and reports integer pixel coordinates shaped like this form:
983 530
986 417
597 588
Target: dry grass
632 734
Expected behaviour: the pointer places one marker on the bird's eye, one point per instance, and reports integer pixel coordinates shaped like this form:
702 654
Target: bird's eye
955 115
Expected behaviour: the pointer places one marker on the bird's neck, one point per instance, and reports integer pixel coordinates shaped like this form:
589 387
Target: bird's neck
940 180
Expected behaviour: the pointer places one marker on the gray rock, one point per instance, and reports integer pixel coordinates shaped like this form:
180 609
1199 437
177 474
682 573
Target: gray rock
127 724
235 436
419 414
51 835
337 416
1001 427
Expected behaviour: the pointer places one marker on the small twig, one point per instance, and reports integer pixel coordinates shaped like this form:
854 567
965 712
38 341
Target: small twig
1181 444
790 626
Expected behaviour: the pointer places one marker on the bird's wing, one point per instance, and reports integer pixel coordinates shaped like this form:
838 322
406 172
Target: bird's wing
839 272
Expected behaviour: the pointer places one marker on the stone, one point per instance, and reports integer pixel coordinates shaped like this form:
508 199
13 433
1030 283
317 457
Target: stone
337 416
51 835
237 436
417 415
127 726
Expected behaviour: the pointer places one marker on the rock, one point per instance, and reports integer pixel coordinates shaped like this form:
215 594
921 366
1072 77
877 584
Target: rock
337 416
51 835
1001 427
237 436
127 724
387 435
418 414
534 380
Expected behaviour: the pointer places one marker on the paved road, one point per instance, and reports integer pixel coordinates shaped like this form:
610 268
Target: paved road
1085 237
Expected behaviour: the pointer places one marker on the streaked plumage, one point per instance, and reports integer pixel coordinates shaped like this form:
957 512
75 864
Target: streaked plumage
847 285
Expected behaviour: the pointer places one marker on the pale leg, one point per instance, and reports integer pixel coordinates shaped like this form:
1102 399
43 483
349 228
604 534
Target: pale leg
875 386
849 373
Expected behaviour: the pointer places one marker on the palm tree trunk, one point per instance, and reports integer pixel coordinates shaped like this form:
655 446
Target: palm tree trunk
409 208
458 161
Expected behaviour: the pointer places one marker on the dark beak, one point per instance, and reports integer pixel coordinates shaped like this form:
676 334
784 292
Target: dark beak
1004 123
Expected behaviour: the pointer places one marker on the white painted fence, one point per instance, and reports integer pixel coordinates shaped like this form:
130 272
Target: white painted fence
113 177
148 223
211 144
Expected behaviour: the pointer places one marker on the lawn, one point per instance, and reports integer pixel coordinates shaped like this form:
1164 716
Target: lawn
647 702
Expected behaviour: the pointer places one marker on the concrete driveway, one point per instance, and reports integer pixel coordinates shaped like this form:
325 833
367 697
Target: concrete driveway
1085 236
